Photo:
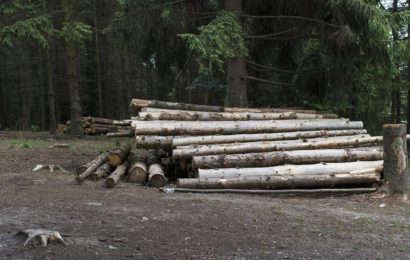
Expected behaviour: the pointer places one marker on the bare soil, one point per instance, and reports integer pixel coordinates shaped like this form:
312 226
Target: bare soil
135 222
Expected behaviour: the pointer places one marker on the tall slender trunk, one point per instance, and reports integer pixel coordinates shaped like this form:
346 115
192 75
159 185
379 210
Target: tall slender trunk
395 93
71 74
3 120
50 93
237 87
97 57
408 74
24 88
41 90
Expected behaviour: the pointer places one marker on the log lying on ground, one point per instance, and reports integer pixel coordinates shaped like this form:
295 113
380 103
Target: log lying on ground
255 147
84 167
129 133
368 176
154 141
223 116
101 172
106 121
240 138
270 192
137 171
286 157
156 177
114 178
92 167
239 127
294 170
118 155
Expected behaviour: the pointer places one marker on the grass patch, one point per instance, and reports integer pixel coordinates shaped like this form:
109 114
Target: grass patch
26 143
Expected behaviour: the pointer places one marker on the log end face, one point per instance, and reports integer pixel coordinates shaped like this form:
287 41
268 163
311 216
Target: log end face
114 160
157 181
110 183
137 175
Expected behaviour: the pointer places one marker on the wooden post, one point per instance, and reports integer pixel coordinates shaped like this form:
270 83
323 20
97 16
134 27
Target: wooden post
396 162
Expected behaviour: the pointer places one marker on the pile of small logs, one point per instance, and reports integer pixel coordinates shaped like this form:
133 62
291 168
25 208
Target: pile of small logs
99 126
120 163
258 148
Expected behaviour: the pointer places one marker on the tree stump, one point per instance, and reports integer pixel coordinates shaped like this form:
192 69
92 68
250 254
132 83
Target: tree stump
396 162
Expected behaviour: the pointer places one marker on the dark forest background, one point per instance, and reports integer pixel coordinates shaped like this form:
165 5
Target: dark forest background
64 59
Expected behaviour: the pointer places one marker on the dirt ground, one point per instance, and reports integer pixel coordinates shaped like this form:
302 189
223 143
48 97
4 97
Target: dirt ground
134 222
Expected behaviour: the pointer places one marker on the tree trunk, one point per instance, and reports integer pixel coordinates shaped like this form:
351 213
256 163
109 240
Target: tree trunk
114 178
242 138
254 147
137 172
97 57
396 162
50 92
71 74
119 155
42 95
223 116
101 172
368 176
236 67
239 127
293 170
395 93
286 157
408 74
91 168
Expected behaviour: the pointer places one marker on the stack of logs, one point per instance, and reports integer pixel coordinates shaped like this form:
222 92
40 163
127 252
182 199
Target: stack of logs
267 148
99 126
121 163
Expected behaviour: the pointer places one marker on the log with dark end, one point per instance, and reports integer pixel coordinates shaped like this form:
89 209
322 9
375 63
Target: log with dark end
92 167
115 177
119 154
101 172
137 171
396 162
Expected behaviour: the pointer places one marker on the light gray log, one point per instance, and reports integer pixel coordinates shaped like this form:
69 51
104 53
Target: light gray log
294 170
115 177
239 127
270 192
92 167
241 138
280 181
286 157
153 141
288 145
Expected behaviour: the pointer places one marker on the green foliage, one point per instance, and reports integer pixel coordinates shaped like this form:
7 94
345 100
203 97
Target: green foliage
34 128
218 41
78 32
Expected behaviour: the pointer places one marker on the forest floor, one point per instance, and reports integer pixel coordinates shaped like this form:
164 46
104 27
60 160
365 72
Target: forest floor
141 223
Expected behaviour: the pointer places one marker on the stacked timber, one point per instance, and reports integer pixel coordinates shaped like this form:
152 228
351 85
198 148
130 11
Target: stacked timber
119 163
258 148
99 126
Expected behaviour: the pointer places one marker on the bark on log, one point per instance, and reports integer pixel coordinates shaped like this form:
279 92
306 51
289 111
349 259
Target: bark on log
223 116
255 147
140 103
114 178
240 138
239 127
396 160
154 142
270 192
119 155
92 167
99 130
280 181
84 167
121 134
156 177
286 157
101 172
137 171
294 170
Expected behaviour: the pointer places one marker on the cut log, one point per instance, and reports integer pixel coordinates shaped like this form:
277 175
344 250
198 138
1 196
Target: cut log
270 192
244 110
140 103
99 130
119 155
241 138
114 178
280 181
92 167
396 159
101 172
137 171
129 133
255 147
215 116
286 157
294 170
156 177
154 142
239 127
